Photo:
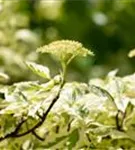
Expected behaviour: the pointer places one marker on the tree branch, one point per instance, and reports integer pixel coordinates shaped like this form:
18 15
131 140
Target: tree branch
13 133
16 133
40 122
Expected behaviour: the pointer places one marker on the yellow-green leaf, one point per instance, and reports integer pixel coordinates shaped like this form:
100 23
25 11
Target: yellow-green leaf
39 70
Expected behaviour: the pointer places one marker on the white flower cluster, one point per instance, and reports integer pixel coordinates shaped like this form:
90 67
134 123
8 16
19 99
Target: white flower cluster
64 50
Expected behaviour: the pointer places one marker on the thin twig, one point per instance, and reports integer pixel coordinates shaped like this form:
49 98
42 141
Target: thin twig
37 136
13 133
117 118
40 122
16 133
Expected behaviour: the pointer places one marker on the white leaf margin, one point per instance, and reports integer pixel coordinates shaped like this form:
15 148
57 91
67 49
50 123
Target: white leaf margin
38 69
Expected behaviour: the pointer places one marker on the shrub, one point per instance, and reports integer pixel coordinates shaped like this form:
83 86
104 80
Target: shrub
66 115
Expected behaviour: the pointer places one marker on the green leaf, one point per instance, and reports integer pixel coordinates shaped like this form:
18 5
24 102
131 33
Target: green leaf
57 141
102 92
3 105
115 134
17 108
129 109
129 116
73 138
3 77
7 123
131 133
39 70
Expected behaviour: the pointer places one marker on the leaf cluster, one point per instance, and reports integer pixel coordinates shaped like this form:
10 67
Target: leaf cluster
65 115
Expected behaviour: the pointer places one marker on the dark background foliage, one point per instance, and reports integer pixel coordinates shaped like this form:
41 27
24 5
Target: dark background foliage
104 26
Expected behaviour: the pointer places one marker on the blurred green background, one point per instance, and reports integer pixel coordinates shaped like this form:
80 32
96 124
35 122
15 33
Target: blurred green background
107 27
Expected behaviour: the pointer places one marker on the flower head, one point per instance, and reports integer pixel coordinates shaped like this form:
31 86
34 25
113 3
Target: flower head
65 50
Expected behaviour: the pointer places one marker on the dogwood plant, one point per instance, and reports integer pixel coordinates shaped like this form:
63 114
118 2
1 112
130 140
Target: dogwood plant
62 115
